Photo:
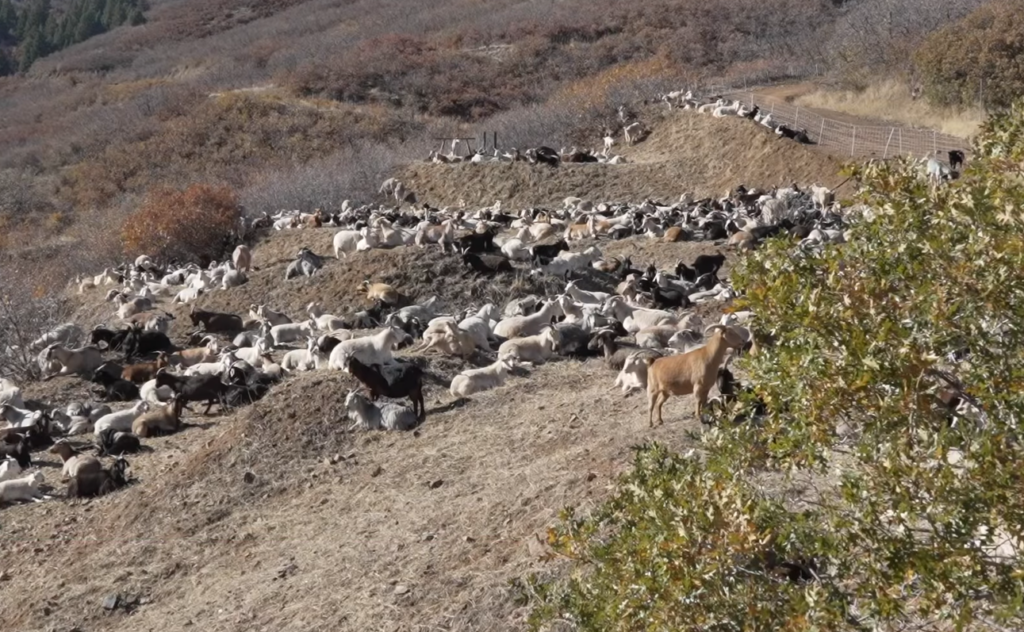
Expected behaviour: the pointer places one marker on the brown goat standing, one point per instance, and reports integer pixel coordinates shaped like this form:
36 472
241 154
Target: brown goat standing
692 372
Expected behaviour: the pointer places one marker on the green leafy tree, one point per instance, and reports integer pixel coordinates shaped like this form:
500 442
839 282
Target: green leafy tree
909 513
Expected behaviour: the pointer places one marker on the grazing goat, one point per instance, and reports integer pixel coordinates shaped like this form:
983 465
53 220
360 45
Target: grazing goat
693 372
408 383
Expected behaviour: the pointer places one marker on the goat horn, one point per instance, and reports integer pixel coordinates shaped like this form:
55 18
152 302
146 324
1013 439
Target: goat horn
713 327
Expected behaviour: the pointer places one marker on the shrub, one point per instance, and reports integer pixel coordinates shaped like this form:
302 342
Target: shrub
976 60
195 223
902 513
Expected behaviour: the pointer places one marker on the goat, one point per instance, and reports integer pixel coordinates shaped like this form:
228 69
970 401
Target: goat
518 326
144 371
534 349
478 380
163 420
615 353
382 292
91 484
242 258
199 388
120 420
74 461
693 372
115 389
66 334
387 416
956 159
375 349
110 442
408 383
82 361
22 489
216 322
488 266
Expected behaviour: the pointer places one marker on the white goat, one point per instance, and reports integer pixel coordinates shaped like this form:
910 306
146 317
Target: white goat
478 380
22 489
387 416
120 421
534 349
375 349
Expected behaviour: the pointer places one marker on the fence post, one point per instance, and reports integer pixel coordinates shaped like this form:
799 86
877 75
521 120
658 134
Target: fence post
495 140
853 148
796 116
821 134
935 147
885 154
901 141
773 107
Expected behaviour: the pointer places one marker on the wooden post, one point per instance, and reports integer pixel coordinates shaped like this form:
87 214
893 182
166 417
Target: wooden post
885 154
853 147
901 141
796 117
821 134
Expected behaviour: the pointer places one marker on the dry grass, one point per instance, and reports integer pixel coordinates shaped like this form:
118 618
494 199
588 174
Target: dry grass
686 151
332 523
890 101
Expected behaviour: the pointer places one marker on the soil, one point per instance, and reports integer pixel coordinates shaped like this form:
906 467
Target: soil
276 516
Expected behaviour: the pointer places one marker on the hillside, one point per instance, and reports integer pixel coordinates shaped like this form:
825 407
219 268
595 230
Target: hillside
333 522
686 151
306 103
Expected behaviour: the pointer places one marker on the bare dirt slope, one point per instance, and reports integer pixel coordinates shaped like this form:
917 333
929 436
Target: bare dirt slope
685 151
278 517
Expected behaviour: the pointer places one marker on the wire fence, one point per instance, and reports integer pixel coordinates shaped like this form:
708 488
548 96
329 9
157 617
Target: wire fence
860 141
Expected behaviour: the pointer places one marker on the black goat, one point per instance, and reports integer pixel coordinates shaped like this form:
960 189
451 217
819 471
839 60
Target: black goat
19 452
216 322
488 265
115 389
113 443
549 251
703 264
138 343
476 242
408 382
668 297
956 159
113 339
198 388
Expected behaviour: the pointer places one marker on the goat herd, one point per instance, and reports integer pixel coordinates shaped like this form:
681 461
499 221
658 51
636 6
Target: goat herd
640 319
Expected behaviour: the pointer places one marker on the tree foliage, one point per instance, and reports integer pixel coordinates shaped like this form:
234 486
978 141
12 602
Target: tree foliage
910 513
187 225
977 59
38 29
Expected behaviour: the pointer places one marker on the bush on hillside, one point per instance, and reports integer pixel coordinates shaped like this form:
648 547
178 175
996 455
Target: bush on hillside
186 225
976 60
896 512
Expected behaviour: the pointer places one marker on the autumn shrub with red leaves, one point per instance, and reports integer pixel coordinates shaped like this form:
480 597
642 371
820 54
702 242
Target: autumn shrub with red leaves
191 224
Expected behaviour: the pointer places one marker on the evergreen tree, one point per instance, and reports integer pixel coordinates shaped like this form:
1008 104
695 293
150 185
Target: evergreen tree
8 19
7 66
32 48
